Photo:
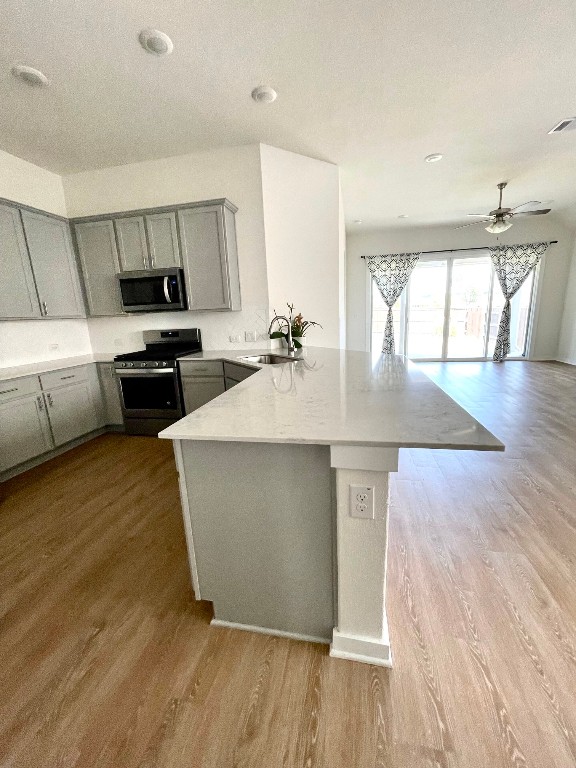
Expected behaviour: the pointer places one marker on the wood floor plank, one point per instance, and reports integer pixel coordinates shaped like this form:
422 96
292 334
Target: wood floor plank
107 661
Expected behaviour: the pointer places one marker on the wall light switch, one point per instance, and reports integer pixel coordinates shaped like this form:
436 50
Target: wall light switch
362 501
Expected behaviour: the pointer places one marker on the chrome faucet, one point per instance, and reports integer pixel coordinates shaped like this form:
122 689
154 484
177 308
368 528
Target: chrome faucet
290 342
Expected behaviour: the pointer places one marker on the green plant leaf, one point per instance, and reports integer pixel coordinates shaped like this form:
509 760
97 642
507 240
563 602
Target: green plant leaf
277 335
297 343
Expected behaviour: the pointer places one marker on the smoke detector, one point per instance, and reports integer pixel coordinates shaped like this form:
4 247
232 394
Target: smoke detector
30 75
264 94
156 42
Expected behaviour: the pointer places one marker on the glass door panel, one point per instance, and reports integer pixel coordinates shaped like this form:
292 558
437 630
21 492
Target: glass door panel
426 304
469 304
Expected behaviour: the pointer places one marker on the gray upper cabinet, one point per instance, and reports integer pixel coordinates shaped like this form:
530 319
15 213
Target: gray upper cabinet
132 246
208 235
163 240
18 297
99 258
54 265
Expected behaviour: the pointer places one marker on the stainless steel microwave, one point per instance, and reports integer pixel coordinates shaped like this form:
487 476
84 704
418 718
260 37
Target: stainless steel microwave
153 290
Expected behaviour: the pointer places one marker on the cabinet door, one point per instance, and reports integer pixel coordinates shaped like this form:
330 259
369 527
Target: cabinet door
24 430
163 240
54 265
132 246
205 258
99 258
18 296
199 391
71 412
110 394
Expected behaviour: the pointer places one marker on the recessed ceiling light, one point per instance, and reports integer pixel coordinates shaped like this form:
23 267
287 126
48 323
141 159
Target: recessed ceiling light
433 158
357 221
263 94
156 42
30 75
403 216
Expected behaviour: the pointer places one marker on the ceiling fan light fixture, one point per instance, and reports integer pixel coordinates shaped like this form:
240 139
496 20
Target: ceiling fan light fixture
500 225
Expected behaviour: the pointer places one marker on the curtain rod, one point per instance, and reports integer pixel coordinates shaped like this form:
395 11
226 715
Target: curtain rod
453 250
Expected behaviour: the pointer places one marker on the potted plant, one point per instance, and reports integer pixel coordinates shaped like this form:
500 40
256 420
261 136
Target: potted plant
299 327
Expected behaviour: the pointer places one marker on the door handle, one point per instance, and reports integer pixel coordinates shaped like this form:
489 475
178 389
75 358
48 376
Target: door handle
167 290
49 398
40 402
45 308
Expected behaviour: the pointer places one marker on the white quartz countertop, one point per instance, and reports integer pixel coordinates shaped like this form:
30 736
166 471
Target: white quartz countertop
33 369
334 397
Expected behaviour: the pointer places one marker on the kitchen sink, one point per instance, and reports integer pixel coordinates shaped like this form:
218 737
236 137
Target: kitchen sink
269 359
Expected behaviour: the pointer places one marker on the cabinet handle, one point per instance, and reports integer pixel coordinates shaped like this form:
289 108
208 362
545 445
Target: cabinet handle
72 376
49 398
40 402
5 391
45 308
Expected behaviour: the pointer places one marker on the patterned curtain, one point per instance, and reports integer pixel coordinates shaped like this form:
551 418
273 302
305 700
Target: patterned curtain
391 273
513 264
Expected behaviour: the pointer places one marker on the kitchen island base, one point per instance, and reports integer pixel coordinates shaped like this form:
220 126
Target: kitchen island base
272 543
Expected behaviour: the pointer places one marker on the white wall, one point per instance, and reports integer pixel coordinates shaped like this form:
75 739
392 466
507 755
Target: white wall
27 341
567 346
232 172
553 272
301 199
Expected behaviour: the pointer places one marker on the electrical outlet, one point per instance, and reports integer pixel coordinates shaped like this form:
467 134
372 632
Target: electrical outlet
362 501
53 347
235 338
250 336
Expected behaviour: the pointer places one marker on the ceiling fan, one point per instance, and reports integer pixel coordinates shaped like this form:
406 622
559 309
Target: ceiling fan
501 219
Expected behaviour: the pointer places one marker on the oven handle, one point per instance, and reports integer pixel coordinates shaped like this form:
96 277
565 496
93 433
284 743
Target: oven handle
144 372
167 290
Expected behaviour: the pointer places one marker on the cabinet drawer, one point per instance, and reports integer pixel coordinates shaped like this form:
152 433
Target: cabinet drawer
238 372
55 379
201 368
13 388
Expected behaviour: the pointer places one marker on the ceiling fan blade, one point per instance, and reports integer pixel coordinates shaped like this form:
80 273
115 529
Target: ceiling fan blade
531 202
472 223
483 215
541 212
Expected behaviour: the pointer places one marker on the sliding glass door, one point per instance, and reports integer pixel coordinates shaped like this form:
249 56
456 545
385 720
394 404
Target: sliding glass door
450 310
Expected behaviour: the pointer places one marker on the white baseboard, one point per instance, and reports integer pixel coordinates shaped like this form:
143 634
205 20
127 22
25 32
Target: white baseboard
363 649
565 360
268 631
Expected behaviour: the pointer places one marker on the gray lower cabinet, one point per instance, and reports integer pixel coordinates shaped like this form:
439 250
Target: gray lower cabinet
164 250
208 237
24 430
54 265
99 259
112 408
71 411
132 246
198 391
18 297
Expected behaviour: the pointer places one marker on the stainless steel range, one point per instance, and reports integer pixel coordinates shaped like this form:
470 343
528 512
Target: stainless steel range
149 385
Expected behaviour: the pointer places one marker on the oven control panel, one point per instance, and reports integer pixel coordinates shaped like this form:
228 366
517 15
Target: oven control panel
142 364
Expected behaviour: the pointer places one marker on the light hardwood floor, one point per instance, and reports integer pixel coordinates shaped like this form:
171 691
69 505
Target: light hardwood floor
108 662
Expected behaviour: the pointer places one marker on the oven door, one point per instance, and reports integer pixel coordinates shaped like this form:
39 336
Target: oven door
154 290
150 393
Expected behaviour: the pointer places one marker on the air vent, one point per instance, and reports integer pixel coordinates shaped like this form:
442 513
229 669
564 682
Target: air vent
564 125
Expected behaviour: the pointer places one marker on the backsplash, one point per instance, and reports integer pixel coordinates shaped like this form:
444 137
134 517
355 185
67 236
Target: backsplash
116 335
31 341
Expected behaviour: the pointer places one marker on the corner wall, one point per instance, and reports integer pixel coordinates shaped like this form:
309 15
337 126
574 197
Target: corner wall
27 341
567 346
304 247
553 272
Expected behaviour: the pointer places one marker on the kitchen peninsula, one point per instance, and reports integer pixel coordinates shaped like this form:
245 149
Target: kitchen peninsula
279 538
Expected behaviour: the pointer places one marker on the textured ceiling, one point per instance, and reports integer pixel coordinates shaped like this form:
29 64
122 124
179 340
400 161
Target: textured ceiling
371 86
